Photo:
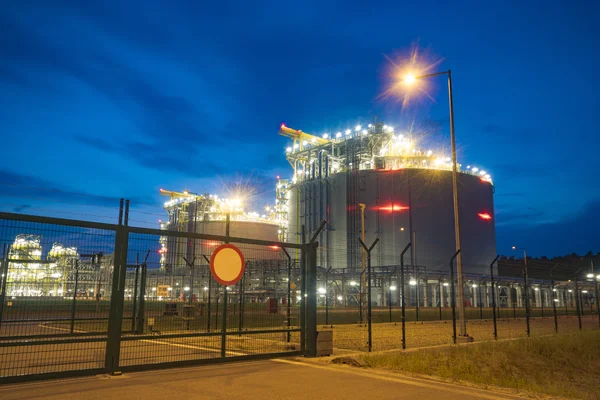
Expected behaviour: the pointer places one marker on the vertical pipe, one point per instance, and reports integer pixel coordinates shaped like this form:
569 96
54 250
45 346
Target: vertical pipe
328 216
74 305
289 296
321 200
303 263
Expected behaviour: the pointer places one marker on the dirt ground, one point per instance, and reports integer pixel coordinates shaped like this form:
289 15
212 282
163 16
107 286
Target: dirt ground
388 336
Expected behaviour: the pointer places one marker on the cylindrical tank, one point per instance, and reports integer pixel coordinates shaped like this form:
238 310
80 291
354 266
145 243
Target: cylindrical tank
401 206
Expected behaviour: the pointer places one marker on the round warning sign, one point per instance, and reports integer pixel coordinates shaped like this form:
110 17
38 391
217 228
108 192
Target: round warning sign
227 264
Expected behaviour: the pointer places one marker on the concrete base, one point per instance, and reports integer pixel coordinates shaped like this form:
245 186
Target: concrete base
464 339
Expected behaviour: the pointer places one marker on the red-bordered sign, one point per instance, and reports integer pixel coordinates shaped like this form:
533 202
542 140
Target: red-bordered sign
227 264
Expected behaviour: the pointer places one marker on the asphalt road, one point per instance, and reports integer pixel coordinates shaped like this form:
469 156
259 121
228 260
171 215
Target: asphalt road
274 379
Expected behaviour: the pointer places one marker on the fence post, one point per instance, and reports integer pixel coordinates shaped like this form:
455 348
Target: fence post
288 310
115 316
403 316
311 299
4 273
73 309
310 261
141 314
577 298
208 308
526 284
135 293
554 307
369 304
224 324
494 296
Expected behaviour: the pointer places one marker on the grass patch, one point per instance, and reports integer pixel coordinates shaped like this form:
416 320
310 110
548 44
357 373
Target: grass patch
562 365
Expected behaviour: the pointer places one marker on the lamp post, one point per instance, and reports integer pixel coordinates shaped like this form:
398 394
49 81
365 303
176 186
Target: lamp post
409 80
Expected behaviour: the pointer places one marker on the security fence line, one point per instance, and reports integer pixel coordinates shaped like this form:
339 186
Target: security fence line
82 307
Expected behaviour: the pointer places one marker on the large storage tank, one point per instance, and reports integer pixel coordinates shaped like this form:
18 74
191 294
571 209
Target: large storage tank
407 197
203 214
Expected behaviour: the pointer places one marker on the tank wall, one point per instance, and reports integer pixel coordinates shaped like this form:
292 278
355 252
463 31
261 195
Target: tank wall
421 198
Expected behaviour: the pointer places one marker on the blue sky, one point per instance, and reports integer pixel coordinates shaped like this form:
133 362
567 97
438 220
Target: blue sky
103 100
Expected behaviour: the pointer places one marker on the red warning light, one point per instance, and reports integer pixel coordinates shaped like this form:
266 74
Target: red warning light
390 208
274 247
485 216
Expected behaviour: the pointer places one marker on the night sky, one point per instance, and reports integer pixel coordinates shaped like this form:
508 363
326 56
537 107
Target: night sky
106 100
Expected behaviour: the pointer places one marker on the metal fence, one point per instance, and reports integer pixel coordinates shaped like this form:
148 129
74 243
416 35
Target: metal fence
80 297
84 298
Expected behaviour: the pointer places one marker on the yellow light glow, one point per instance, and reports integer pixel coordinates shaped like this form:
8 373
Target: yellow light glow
409 79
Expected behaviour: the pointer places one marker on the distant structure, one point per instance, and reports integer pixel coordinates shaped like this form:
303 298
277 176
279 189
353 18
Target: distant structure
207 213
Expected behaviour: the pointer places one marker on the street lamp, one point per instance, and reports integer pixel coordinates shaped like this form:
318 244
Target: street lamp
411 79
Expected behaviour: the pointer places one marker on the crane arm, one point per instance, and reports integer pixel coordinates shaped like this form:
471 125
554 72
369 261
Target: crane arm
301 136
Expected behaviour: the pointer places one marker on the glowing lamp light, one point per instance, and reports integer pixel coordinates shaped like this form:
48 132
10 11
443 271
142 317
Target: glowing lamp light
353 283
357 128
274 247
325 136
340 298
446 284
282 126
348 131
322 290
392 288
412 282
409 79
338 135
485 216
589 275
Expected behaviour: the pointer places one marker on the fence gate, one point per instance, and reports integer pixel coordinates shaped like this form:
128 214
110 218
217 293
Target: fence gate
183 316
81 298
